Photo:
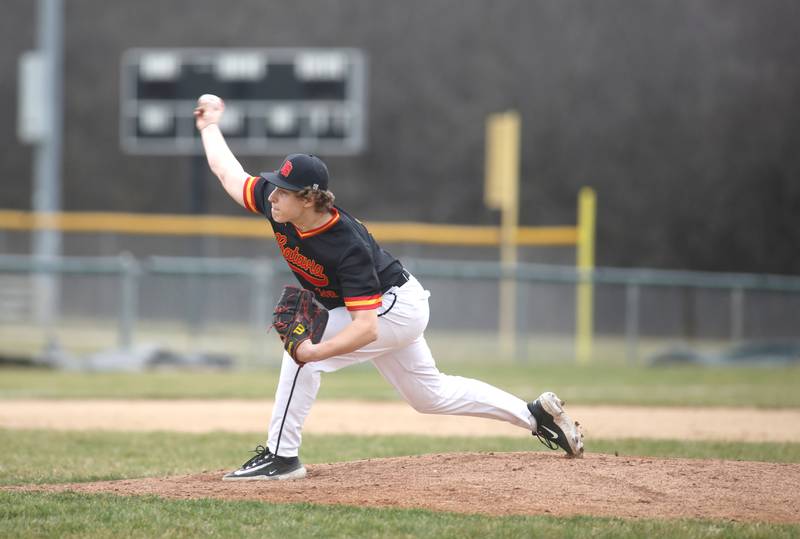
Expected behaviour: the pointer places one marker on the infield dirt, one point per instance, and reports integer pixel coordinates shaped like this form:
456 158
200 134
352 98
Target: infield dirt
524 483
386 418
510 484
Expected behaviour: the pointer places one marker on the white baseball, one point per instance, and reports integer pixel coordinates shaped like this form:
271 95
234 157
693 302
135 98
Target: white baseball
209 100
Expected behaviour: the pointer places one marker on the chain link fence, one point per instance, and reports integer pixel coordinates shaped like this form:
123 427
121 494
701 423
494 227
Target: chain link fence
223 306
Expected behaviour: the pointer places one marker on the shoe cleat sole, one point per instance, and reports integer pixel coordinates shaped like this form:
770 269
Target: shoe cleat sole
299 473
555 407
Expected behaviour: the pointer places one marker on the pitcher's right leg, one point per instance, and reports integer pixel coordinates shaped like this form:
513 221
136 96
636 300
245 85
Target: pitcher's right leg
413 372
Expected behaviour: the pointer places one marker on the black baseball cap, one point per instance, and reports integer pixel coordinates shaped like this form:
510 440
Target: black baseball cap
298 171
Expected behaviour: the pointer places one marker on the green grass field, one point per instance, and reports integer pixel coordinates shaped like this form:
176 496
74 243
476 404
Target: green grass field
70 515
38 456
593 384
52 457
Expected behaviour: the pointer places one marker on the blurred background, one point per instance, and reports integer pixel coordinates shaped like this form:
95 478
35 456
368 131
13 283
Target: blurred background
681 116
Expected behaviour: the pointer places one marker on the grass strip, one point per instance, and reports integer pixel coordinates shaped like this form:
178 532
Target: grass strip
73 515
41 456
592 384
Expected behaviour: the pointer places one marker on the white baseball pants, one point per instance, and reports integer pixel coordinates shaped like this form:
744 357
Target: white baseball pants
402 356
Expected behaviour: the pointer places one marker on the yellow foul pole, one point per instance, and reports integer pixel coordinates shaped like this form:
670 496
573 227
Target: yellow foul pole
502 192
584 304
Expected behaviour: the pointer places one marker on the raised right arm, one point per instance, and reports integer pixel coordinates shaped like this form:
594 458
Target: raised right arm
220 158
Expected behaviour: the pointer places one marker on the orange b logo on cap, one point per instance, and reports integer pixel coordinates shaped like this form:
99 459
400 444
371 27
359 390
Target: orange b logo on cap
286 169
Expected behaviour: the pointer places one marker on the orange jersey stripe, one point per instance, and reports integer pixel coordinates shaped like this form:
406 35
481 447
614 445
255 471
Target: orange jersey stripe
363 307
361 298
314 231
248 195
362 303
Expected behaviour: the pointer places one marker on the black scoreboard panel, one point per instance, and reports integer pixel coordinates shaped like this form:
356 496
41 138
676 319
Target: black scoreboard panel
276 100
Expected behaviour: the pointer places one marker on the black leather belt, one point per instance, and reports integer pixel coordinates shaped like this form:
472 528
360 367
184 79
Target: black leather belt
402 279
399 281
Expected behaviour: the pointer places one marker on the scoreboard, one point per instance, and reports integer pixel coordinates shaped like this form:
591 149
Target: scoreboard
277 100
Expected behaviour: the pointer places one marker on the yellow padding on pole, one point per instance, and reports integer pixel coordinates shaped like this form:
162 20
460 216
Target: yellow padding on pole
130 223
584 305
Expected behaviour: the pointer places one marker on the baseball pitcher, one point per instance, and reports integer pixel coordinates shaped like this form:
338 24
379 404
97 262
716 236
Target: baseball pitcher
355 303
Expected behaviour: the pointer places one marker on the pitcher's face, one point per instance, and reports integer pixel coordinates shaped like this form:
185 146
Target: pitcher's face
286 206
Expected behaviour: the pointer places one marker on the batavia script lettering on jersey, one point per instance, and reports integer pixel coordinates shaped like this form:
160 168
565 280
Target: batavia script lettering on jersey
307 268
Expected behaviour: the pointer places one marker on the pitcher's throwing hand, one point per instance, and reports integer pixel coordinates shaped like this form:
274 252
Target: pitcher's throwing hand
208 111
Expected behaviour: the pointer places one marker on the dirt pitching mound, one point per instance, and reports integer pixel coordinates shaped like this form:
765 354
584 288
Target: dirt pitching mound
510 484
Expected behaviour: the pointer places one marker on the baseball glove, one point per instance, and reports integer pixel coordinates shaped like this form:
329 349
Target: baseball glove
298 316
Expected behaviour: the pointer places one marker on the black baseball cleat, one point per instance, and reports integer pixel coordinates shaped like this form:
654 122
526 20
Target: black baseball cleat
554 428
265 466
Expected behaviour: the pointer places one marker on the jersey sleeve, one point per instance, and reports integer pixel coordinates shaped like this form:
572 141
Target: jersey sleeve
255 194
358 279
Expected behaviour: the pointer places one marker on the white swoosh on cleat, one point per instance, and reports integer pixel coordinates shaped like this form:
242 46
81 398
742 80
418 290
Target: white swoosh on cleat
553 434
242 472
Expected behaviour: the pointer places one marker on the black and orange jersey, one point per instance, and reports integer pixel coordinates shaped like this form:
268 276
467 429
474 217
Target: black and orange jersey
339 261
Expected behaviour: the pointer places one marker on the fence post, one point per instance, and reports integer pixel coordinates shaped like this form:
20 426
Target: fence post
521 348
737 313
129 296
259 307
632 322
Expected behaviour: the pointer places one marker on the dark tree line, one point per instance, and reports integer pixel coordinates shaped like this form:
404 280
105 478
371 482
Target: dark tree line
682 114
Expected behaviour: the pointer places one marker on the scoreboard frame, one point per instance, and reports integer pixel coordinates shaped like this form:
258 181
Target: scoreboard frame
315 102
